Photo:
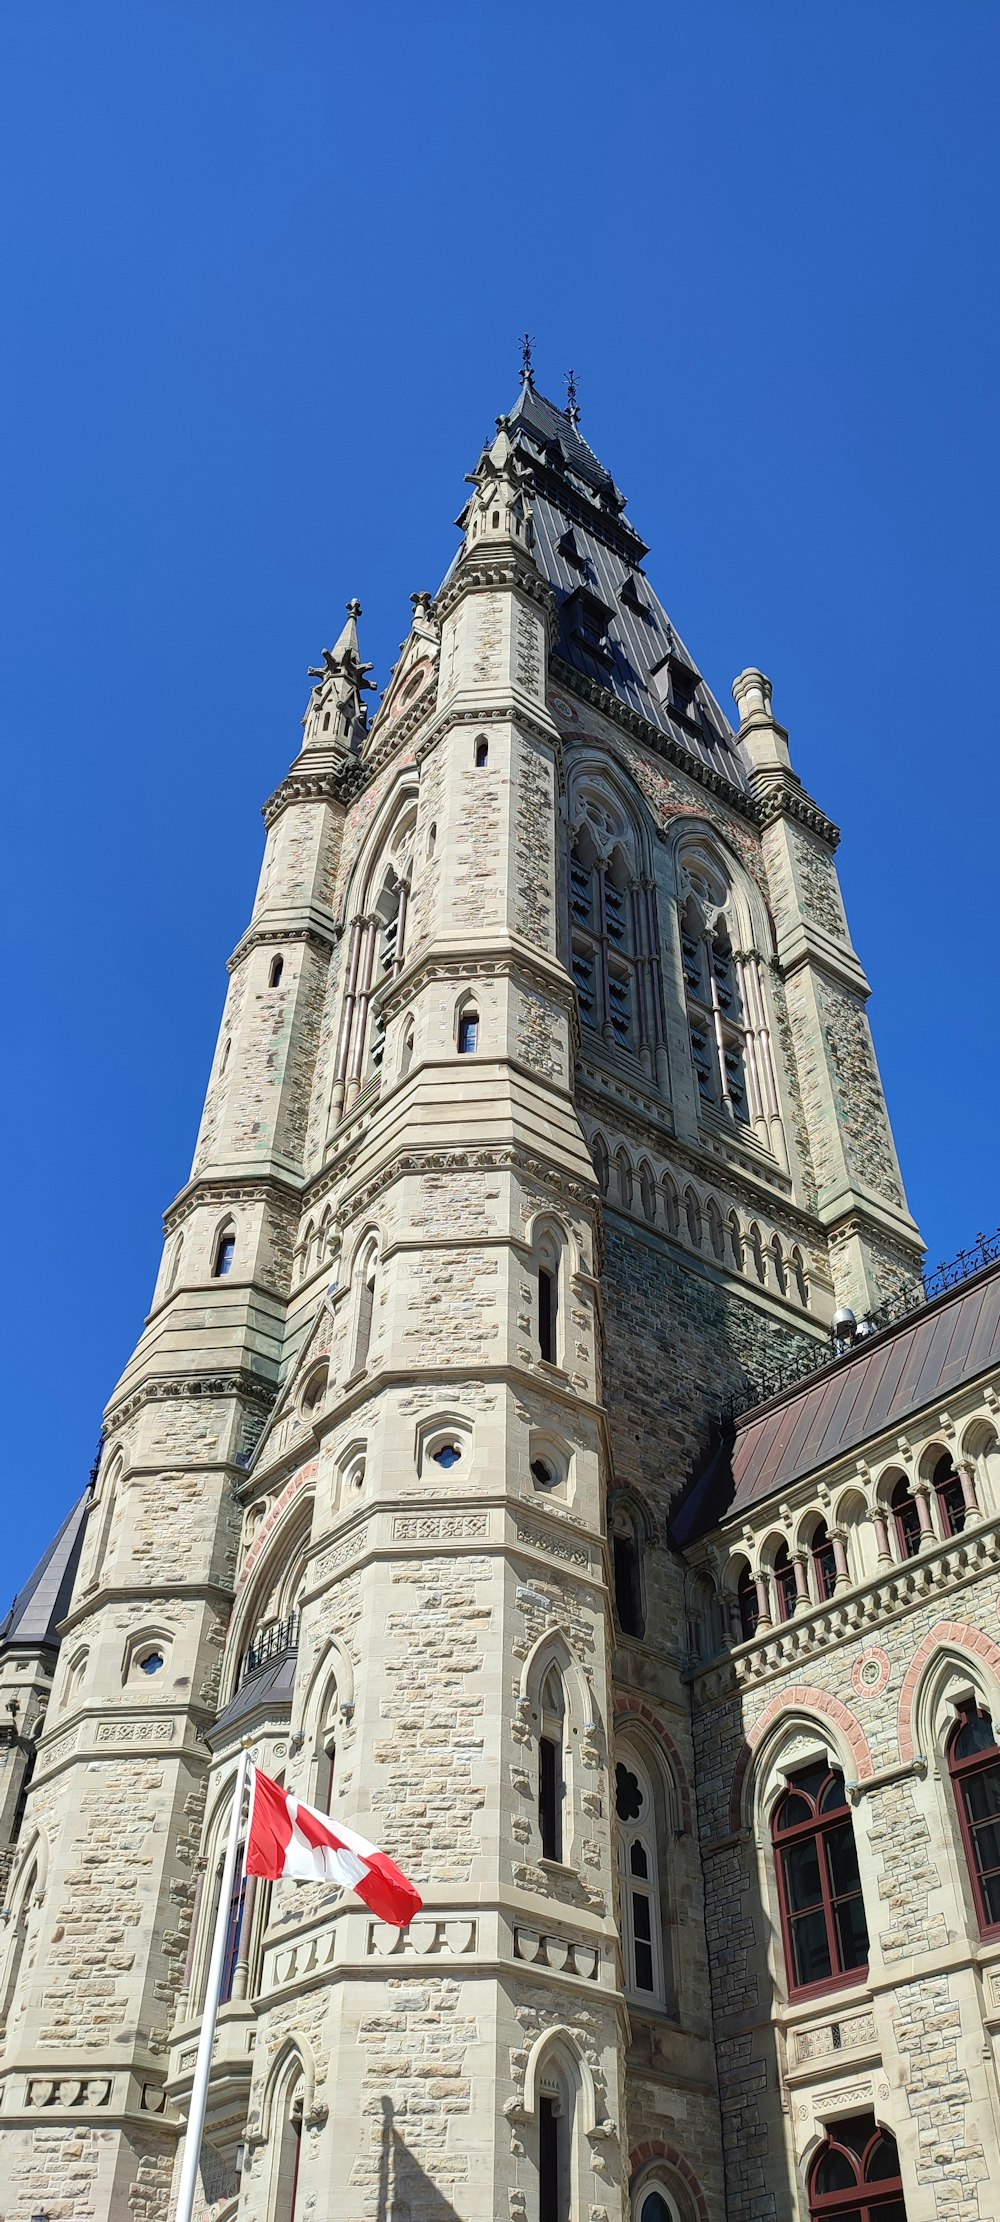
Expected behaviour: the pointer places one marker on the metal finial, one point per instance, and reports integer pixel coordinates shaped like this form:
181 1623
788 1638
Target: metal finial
572 405
354 609
527 367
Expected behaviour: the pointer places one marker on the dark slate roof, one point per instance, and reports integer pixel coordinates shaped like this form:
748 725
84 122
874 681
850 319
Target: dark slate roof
39 1607
270 1687
881 1384
583 541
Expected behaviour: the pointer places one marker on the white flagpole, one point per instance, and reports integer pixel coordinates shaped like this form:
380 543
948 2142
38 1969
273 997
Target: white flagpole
203 2063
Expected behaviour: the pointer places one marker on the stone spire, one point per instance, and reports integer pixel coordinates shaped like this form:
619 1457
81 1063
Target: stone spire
499 511
337 715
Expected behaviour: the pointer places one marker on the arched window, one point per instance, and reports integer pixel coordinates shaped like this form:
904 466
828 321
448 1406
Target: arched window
824 1560
547 1300
906 1517
716 1231
615 952
623 1165
778 1265
647 1192
716 1019
735 1241
285 2203
602 1163
799 1277
756 1249
406 1049
642 1939
950 1496
974 1765
671 1206
482 755
556 2109
326 1752
692 1214
274 975
627 1562
655 2205
747 1603
784 1582
225 1252
550 1766
855 2175
819 1884
366 1307
468 1033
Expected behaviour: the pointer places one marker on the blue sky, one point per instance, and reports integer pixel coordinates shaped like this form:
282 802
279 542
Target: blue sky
264 271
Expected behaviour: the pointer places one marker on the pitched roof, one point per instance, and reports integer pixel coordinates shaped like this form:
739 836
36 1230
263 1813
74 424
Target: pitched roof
585 545
38 1608
925 1357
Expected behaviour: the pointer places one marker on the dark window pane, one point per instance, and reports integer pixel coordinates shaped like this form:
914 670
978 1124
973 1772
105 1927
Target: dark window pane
852 1932
643 1967
842 1855
975 1735
655 2209
638 1862
810 1949
640 1918
982 1794
990 1886
834 1798
883 2163
802 1875
792 1809
835 2173
548 2162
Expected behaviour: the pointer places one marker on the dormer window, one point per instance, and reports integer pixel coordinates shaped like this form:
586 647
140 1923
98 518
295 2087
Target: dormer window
570 552
589 619
633 597
677 684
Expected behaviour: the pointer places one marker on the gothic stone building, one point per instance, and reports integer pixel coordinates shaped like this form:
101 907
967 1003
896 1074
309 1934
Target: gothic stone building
544 1127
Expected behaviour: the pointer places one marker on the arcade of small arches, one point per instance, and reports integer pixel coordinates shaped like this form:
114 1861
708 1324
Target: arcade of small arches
842 1538
699 1222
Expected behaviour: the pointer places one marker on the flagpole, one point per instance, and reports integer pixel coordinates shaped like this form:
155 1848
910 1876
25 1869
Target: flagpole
203 2063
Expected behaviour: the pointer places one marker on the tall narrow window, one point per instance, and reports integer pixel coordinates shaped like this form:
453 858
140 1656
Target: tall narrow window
628 1573
550 1767
225 1252
234 1928
614 953
642 1938
747 1603
286 2197
468 1033
550 2168
548 1301
717 1022
950 1496
277 968
406 1049
482 755
974 1765
366 1305
907 1519
822 1909
855 2175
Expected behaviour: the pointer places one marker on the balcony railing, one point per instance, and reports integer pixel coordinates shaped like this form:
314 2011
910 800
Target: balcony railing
271 1642
757 1389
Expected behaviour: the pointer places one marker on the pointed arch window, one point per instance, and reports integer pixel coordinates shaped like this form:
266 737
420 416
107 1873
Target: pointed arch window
614 938
715 989
819 1882
366 1308
225 1252
626 1560
550 1766
974 1766
639 1869
468 1033
855 2175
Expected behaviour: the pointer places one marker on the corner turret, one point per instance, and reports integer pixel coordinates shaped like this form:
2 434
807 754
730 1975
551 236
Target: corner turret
337 716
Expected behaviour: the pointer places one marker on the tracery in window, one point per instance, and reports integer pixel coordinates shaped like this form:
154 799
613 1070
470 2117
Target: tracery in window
855 2175
974 1766
727 1013
373 954
614 940
642 1938
819 1882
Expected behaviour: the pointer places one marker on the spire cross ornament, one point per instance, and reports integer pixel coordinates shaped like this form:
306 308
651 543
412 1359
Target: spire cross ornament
527 368
354 609
572 405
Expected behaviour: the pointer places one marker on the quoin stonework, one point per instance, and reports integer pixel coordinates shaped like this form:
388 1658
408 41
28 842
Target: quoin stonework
543 1446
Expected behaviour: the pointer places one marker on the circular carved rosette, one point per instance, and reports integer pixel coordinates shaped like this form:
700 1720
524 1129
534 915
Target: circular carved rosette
871 1672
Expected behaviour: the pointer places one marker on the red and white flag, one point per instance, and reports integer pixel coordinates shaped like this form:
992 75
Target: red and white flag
289 1838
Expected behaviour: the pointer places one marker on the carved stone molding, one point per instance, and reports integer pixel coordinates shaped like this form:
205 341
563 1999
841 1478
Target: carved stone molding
248 1387
259 936
654 737
270 1189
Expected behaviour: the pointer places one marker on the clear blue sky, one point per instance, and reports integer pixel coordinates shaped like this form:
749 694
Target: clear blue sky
264 269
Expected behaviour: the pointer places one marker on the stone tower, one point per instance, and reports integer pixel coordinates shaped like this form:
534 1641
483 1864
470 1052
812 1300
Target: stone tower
544 1112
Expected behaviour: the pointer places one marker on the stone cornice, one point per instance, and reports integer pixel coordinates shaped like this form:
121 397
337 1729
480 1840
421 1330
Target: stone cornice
476 574
248 1387
321 785
519 714
505 1158
857 1612
209 1188
653 736
510 960
793 802
321 937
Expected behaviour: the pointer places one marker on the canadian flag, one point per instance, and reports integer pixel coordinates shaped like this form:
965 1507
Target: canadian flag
289 1838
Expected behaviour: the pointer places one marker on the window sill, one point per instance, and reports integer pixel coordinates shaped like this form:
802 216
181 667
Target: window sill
855 1979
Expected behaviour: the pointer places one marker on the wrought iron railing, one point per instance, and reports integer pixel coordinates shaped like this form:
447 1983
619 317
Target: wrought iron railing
270 1642
759 1388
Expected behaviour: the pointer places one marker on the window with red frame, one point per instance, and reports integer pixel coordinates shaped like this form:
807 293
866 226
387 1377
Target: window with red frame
950 1496
822 1908
907 1518
855 2175
974 1762
748 1603
784 1578
824 1563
